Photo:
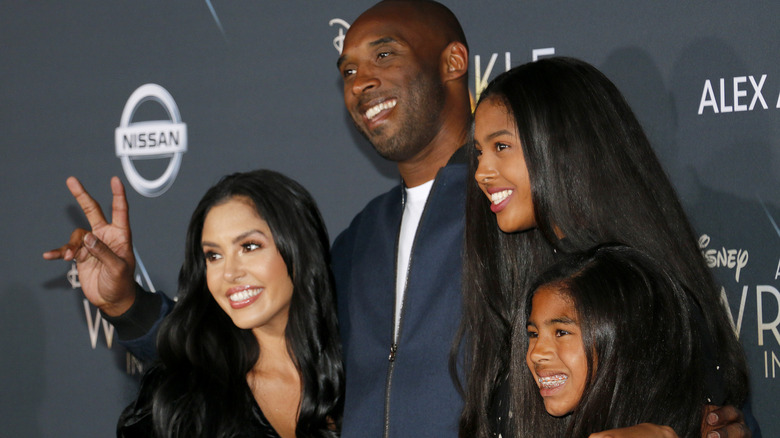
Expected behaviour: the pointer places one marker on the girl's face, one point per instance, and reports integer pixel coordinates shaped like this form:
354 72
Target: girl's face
502 173
245 272
556 356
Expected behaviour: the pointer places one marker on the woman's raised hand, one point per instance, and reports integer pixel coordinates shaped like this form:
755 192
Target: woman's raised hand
104 255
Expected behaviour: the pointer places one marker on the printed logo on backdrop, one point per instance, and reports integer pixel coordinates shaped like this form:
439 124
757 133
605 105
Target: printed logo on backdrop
738 94
95 320
342 26
151 140
765 296
481 77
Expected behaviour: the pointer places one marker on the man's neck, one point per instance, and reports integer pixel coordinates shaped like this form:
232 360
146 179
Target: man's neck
415 173
424 166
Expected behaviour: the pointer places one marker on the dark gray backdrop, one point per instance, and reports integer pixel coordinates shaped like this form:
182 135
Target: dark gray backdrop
257 86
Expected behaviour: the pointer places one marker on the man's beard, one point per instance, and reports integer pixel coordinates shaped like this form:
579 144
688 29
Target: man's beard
418 122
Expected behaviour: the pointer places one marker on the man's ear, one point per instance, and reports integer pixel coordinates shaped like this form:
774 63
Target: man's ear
455 61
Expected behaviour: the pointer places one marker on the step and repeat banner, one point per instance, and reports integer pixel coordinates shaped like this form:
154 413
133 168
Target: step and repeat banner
169 96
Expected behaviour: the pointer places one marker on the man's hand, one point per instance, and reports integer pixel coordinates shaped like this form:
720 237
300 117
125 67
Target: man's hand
104 255
638 431
719 422
724 422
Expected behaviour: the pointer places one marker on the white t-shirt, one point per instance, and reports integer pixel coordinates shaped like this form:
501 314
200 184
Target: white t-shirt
413 208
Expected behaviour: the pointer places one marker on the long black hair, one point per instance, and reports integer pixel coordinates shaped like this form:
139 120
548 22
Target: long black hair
642 340
199 386
594 179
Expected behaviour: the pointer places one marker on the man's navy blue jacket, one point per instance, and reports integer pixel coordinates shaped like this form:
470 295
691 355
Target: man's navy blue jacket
406 392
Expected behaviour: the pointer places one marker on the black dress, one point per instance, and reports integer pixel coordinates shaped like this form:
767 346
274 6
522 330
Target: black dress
136 420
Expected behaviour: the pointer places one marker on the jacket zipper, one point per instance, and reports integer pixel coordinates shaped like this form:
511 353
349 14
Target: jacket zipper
394 345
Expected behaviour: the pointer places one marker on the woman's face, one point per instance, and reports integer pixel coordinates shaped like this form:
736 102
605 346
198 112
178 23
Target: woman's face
556 356
502 174
245 272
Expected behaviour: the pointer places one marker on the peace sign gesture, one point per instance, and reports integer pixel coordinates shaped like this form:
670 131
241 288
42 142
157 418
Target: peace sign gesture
104 255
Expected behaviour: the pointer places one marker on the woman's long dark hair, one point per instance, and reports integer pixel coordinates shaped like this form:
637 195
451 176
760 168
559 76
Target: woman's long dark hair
199 386
642 339
594 179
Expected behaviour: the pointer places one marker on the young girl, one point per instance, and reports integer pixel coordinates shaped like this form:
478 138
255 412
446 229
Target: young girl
611 340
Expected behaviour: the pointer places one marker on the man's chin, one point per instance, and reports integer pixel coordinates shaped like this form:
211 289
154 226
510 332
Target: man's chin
380 142
373 136
384 144
394 153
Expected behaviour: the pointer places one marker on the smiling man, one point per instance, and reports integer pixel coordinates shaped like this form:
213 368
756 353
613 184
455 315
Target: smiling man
397 267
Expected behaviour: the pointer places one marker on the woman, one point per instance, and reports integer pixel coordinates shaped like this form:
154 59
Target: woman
251 347
598 333
561 164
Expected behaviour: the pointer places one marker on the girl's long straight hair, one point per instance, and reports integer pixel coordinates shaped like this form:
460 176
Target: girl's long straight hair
594 179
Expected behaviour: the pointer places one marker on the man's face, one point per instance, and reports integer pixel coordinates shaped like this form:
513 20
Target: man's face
392 86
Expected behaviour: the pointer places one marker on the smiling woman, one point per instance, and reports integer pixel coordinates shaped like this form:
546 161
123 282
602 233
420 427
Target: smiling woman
245 272
502 173
251 348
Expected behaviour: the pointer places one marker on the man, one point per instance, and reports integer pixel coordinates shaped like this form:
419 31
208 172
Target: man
398 265
404 66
